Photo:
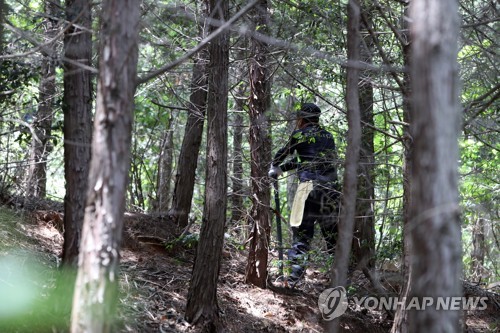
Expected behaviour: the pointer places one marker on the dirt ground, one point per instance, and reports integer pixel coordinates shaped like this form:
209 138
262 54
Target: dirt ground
155 280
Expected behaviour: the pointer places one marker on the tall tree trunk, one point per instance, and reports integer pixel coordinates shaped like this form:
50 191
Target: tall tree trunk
193 134
96 289
237 179
202 295
165 165
478 249
136 193
291 180
239 190
3 13
260 153
41 144
435 222
364 229
348 211
400 324
77 108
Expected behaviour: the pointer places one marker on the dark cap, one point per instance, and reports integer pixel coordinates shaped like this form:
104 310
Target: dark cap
309 111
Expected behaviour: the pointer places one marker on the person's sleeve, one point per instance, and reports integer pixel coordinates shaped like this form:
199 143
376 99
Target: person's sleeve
290 165
282 153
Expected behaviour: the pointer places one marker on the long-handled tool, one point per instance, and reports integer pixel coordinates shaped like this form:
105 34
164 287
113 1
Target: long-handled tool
278 225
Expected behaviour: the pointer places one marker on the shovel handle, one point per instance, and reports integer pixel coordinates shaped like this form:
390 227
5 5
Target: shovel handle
279 232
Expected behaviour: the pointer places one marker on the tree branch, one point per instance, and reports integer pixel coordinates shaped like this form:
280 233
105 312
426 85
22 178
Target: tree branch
198 47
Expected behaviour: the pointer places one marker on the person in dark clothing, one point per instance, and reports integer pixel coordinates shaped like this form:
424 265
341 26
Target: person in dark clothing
318 195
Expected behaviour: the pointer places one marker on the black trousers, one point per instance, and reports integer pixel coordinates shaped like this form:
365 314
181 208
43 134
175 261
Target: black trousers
322 207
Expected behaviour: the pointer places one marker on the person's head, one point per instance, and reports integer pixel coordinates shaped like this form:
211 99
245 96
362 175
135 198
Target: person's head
308 114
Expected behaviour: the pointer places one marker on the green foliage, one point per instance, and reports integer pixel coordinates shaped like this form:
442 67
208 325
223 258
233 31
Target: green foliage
28 279
479 189
14 75
30 301
186 241
321 258
307 71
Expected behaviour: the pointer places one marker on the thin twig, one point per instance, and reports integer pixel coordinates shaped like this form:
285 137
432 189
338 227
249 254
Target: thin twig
198 47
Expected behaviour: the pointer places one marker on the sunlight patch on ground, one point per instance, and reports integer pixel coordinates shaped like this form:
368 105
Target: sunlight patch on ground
269 306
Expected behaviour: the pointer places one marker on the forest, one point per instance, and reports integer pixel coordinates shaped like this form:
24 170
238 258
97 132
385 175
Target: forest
137 140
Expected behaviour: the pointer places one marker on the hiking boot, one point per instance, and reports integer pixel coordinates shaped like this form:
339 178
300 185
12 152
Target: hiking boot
296 275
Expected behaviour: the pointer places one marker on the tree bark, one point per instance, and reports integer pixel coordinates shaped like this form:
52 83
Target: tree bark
435 222
136 194
41 144
400 324
239 189
193 134
348 210
96 289
202 304
260 153
237 179
77 108
478 249
292 181
364 229
3 13
165 166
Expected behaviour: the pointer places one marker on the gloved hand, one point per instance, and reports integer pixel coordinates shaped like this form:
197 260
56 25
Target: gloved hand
275 171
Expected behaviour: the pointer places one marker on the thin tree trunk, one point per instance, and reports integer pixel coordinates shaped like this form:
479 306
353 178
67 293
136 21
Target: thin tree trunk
260 154
239 191
202 304
478 249
435 222
291 179
3 12
348 210
136 194
165 166
41 144
237 179
96 290
364 229
193 134
400 324
77 107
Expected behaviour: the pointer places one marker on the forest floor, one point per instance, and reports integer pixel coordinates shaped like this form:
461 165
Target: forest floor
155 279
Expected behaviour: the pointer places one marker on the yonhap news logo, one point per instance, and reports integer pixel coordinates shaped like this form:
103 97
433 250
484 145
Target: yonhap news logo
332 303
421 303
